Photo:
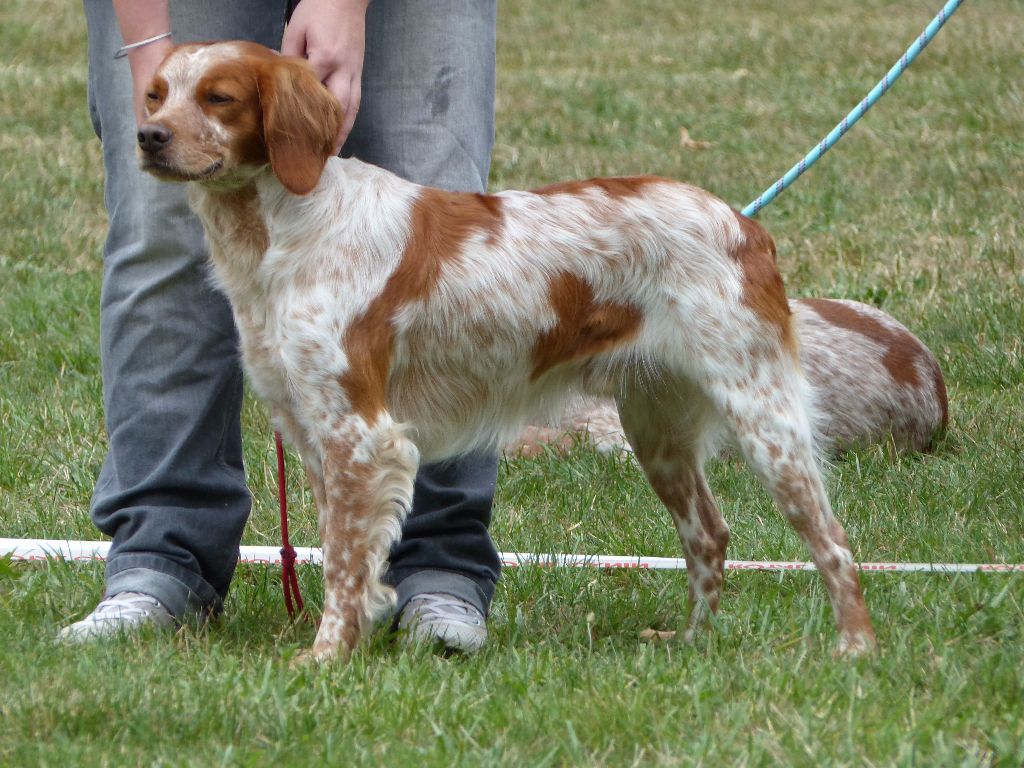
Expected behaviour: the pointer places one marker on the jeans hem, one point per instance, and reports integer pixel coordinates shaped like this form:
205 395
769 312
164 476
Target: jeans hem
185 594
448 582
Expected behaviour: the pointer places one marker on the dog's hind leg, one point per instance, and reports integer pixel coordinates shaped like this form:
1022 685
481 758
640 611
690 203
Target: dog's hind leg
769 421
368 473
671 435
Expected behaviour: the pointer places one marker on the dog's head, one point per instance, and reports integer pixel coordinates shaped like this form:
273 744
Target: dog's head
217 112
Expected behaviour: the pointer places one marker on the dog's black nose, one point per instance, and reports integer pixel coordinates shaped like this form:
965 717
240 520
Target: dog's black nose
153 137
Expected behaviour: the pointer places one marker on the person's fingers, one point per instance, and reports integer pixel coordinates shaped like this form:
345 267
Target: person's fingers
330 35
347 89
294 41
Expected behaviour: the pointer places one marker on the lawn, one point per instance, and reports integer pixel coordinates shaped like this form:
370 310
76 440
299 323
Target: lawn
916 211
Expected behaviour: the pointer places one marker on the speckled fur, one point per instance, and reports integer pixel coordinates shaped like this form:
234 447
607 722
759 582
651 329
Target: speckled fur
384 322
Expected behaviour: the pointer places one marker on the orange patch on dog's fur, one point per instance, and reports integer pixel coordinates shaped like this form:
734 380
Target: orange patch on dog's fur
902 350
763 290
584 327
239 80
441 223
616 188
940 391
300 127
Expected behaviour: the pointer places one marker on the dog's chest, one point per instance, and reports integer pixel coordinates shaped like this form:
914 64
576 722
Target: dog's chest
259 334
293 355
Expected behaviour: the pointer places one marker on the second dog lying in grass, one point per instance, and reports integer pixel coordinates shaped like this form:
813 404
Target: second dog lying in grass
872 380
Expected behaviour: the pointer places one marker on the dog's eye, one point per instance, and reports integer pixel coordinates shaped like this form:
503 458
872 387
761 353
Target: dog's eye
152 96
218 98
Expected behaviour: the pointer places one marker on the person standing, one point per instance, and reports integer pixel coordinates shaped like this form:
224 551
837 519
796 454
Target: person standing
416 79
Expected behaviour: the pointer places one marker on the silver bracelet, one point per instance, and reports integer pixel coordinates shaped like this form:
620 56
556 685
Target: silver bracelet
123 50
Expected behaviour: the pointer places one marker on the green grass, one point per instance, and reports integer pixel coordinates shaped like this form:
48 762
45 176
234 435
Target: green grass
916 211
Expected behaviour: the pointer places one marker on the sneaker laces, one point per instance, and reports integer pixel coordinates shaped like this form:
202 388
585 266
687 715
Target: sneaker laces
438 606
126 605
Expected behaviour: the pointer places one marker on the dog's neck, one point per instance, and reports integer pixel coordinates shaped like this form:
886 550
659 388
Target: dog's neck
236 234
256 218
244 218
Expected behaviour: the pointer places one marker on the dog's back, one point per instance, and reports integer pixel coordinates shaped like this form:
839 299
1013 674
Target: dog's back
581 288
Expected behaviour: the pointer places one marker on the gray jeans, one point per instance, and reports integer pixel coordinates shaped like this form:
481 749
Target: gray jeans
172 491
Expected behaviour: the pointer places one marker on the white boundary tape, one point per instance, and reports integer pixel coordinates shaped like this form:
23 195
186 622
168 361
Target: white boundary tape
79 551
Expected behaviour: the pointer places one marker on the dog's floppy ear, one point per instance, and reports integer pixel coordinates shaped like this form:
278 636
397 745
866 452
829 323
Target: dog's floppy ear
301 122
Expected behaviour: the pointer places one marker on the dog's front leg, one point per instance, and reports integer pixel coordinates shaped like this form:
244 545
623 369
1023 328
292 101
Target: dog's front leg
368 468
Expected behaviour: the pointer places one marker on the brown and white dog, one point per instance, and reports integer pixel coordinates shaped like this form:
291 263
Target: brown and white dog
384 323
872 381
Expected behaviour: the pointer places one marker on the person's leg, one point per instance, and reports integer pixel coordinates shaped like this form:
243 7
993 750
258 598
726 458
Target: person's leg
427 114
172 490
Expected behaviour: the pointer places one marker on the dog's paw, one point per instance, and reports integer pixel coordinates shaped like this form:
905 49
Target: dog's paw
854 645
313 657
303 660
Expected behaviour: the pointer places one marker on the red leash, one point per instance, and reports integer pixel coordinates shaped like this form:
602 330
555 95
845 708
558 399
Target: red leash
289 578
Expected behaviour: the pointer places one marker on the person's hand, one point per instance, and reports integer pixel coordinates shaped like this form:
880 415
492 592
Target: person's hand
144 62
331 35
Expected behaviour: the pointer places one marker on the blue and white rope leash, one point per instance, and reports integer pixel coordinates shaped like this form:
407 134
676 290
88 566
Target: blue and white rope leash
847 122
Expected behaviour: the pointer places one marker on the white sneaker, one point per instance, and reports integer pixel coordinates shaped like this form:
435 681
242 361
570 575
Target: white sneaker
440 617
119 614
